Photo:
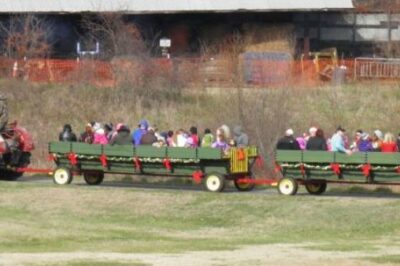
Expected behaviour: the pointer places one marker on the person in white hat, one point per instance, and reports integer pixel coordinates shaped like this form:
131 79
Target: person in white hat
377 140
288 142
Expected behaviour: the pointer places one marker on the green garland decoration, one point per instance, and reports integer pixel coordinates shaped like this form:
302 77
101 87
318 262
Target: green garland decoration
127 159
342 166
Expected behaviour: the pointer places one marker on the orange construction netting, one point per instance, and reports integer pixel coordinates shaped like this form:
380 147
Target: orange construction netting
189 71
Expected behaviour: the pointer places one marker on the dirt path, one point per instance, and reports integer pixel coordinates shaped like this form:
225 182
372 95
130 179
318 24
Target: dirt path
278 254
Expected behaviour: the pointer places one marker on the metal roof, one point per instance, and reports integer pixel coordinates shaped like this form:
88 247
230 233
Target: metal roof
168 6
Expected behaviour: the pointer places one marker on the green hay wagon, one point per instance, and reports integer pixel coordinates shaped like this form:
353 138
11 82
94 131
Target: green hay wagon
315 169
205 165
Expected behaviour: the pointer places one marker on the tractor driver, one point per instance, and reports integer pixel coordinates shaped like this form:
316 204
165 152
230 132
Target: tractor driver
3 112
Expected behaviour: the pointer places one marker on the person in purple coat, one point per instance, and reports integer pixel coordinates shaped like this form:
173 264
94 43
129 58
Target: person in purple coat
365 144
221 142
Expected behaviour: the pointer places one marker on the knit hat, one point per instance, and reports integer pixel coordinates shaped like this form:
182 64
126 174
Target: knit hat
289 132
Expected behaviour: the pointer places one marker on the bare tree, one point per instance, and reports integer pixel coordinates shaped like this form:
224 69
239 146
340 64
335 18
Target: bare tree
116 36
26 35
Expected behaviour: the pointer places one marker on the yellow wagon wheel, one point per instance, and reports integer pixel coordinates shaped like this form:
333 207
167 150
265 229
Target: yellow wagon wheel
214 182
288 186
62 176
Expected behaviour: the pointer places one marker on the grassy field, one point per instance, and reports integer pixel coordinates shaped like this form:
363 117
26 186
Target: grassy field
41 224
46 218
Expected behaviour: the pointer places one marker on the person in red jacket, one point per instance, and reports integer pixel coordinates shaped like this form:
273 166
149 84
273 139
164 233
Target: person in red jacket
389 143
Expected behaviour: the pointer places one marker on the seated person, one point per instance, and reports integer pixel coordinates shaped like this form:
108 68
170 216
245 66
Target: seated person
377 139
208 138
389 143
288 142
241 139
88 135
139 132
67 134
170 139
193 140
149 138
338 141
316 142
220 143
123 136
181 138
364 143
100 136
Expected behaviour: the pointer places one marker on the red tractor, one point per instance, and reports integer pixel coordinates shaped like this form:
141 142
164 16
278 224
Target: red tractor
15 151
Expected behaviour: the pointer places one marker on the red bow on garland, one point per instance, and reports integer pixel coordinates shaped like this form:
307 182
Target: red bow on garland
73 158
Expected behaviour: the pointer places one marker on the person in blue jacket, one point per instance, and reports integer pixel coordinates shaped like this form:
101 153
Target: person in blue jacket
139 132
337 141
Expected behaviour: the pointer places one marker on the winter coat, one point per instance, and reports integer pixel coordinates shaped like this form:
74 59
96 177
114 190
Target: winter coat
220 145
137 136
389 147
100 139
67 135
287 143
364 145
241 139
87 137
302 143
208 140
316 144
192 141
148 139
338 143
122 138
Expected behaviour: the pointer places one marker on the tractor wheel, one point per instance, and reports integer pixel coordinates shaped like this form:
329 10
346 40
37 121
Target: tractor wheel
244 186
316 188
93 178
62 176
214 182
288 186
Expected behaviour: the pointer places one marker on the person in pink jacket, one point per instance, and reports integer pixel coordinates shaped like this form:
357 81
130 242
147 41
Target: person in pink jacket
100 137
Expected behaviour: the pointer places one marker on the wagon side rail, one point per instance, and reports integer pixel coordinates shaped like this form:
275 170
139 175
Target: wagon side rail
372 167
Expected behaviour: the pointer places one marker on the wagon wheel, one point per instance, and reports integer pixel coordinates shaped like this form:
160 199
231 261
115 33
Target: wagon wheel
214 182
62 176
94 178
287 186
244 186
316 188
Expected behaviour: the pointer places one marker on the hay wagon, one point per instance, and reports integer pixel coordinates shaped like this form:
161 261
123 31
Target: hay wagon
209 166
315 169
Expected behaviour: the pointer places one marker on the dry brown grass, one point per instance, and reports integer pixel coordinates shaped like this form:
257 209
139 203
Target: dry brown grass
264 114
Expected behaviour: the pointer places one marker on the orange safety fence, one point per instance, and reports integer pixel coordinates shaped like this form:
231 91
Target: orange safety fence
191 72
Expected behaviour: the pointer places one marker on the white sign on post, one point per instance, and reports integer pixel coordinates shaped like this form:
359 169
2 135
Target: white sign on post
165 42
